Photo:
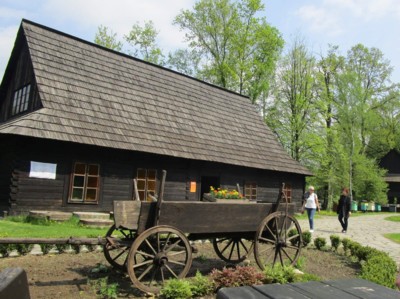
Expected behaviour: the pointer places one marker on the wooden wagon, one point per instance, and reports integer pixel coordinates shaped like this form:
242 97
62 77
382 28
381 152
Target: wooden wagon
152 240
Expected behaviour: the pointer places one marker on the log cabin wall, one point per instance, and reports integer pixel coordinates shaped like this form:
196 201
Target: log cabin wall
117 171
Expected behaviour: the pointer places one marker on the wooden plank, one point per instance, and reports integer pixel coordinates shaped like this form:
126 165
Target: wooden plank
240 293
363 288
212 217
320 290
277 291
126 213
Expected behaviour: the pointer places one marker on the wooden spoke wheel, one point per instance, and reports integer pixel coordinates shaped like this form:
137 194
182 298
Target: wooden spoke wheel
118 243
232 250
278 240
158 254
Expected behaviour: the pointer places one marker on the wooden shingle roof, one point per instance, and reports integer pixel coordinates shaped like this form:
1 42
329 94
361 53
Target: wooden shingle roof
92 95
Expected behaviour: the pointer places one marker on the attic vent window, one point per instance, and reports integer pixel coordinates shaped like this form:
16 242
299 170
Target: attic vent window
21 100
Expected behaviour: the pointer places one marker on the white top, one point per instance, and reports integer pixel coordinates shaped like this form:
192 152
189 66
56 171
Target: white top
310 201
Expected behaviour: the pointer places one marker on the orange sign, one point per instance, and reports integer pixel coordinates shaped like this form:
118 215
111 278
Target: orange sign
192 187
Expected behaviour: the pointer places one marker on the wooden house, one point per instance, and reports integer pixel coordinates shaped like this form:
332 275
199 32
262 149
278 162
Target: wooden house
78 122
391 162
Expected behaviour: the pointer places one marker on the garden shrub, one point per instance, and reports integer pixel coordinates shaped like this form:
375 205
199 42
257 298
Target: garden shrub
335 242
176 289
346 242
354 247
236 277
291 233
380 268
306 238
201 285
279 274
320 243
364 252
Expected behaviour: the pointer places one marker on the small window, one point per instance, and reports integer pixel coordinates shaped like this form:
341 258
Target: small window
250 191
287 190
21 100
146 183
85 183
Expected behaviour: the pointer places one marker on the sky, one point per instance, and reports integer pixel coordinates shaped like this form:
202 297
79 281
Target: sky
345 23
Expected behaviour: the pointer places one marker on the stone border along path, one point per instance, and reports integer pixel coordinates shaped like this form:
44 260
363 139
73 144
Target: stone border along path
367 230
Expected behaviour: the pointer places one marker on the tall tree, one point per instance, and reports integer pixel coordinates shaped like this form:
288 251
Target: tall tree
238 50
107 38
143 39
292 112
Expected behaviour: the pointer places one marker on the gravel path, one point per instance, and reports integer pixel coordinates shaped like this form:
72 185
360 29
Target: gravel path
367 230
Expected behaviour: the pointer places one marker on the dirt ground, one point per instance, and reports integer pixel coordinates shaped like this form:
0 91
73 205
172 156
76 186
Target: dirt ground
75 275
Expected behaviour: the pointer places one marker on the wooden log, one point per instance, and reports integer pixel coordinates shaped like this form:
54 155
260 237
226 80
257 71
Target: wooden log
69 241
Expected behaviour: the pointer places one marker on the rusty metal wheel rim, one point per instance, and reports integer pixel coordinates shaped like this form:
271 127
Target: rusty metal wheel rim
118 244
273 243
159 253
232 249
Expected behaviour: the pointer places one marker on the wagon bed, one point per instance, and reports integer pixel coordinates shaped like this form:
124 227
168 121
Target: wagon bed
202 218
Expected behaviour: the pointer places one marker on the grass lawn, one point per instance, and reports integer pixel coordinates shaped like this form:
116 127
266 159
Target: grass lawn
17 227
395 237
395 218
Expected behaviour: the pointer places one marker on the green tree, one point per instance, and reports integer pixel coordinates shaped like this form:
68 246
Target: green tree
143 39
107 38
292 112
237 50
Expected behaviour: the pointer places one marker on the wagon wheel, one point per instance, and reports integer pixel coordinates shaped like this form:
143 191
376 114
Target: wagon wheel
159 253
232 250
118 243
274 243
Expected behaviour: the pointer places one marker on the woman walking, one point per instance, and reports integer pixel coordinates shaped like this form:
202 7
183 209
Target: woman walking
311 204
343 209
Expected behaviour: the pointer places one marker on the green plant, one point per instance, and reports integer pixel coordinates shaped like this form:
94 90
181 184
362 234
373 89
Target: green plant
306 277
364 252
236 277
380 268
176 289
104 288
354 247
292 233
201 285
202 258
300 263
306 238
346 242
319 243
335 242
279 274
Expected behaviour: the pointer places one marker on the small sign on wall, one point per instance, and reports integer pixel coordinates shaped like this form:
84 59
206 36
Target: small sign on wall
43 170
192 187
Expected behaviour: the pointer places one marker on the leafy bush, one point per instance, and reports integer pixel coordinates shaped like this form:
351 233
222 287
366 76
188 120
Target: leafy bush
354 247
176 289
306 238
380 268
320 243
364 252
346 242
236 277
335 242
292 233
201 285
279 274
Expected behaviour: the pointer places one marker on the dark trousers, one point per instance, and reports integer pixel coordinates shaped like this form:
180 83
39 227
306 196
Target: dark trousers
343 219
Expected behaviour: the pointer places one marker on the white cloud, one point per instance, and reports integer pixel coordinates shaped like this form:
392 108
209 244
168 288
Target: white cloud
121 15
7 38
320 20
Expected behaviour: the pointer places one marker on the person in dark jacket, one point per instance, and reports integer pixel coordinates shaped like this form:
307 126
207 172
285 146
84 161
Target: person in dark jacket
343 209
